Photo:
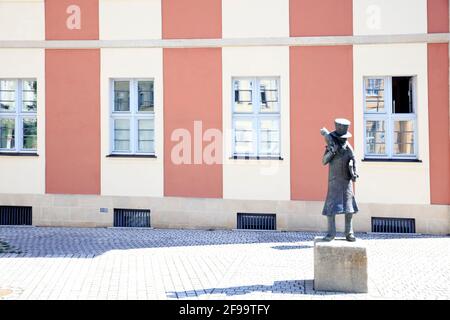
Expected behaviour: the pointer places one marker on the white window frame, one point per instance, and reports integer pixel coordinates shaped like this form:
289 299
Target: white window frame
389 117
134 115
255 116
19 115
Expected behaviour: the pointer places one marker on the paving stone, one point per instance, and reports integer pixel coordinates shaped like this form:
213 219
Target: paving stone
107 263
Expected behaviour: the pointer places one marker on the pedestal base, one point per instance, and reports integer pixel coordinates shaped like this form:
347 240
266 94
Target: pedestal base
340 265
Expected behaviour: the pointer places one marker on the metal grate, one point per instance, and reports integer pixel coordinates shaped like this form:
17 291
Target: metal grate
15 216
254 221
393 225
132 218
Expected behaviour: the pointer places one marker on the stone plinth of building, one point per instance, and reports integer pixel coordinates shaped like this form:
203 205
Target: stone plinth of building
340 265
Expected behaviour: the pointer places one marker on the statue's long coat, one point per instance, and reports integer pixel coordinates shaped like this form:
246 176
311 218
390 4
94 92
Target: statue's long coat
340 198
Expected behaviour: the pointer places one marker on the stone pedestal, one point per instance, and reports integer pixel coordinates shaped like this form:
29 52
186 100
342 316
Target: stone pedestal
340 265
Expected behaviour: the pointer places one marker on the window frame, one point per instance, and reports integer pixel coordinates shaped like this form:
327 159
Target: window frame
19 115
389 117
133 116
255 117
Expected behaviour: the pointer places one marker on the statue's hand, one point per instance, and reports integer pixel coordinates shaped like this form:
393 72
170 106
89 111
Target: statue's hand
324 131
334 148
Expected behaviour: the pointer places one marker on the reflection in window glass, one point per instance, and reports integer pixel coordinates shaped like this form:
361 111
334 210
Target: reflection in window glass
29 134
146 136
257 126
243 95
29 96
7 95
374 95
404 137
243 136
121 96
268 95
121 135
375 137
7 133
145 95
269 137
134 130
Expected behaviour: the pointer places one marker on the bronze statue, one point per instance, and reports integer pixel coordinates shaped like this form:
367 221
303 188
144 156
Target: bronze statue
342 171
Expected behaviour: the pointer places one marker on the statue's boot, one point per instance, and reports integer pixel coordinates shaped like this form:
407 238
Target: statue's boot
349 227
331 228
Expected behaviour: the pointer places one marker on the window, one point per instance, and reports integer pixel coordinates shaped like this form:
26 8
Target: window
18 123
390 119
133 117
256 117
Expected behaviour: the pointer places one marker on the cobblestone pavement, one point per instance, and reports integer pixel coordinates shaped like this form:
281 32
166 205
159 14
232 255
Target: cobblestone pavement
77 263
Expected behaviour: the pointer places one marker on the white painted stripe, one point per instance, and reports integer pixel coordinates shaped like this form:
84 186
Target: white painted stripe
218 43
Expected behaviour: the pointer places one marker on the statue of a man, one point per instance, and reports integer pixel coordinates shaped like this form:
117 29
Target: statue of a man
342 171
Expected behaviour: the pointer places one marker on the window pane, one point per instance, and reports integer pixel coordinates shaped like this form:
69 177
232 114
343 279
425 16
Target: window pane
29 134
404 137
268 95
29 85
146 136
29 95
121 96
402 95
29 106
243 95
7 133
269 139
243 138
121 135
374 95
243 148
375 137
145 95
7 95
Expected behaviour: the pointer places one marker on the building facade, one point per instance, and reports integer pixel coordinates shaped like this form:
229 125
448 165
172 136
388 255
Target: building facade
199 110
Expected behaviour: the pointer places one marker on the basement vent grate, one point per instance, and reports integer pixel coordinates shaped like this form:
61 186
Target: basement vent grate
393 225
131 218
254 221
15 216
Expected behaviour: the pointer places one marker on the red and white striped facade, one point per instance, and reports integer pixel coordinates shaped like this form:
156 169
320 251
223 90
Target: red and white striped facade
320 50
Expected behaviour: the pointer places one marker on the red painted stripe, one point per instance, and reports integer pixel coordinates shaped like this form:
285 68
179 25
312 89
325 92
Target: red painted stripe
437 16
321 90
438 108
56 17
192 92
72 121
320 18
201 19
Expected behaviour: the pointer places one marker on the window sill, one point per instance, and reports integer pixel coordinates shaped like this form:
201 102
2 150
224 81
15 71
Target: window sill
151 156
390 160
19 154
256 158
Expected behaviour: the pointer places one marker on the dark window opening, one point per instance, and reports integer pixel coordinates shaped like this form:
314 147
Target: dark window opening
402 95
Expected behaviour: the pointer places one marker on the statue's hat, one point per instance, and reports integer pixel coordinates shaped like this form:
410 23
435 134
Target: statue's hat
341 126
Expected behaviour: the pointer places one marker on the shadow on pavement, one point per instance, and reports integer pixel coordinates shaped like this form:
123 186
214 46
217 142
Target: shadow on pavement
292 247
300 287
90 242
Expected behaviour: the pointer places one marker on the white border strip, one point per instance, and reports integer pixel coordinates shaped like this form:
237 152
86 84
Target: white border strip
219 43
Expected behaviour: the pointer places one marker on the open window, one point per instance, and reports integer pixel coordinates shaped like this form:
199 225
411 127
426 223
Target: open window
390 118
